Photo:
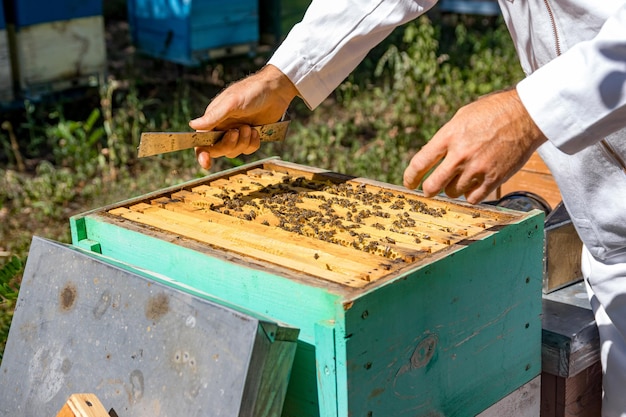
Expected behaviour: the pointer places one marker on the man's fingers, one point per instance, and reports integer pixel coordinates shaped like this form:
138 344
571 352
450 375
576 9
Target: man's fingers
463 184
440 178
208 121
478 194
254 144
422 162
203 156
235 142
244 140
216 113
222 148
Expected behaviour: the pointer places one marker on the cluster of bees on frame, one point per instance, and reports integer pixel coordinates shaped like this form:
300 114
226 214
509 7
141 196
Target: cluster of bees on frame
331 212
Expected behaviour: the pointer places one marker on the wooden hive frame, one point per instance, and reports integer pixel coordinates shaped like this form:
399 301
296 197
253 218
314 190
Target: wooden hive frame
338 228
447 325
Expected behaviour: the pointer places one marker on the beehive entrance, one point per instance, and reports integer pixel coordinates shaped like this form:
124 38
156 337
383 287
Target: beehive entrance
344 230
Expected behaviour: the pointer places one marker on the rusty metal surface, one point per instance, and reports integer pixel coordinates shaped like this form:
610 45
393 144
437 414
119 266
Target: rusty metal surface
145 349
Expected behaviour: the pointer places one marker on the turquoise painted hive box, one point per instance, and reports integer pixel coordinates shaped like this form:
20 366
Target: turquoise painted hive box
406 306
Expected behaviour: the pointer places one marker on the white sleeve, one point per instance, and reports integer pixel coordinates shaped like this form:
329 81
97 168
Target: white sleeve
580 97
334 37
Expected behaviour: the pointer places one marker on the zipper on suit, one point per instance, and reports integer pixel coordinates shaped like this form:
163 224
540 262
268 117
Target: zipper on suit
555 32
557 49
613 154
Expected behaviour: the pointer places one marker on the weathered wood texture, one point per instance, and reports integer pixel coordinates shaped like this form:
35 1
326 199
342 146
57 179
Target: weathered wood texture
571 378
56 56
448 325
563 257
576 396
6 76
563 251
570 340
534 177
523 402
83 405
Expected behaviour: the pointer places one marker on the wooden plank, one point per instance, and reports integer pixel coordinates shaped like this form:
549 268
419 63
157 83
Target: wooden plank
326 359
447 329
523 402
296 243
6 76
389 248
291 169
576 396
260 247
548 395
570 340
535 177
563 257
441 227
83 405
206 197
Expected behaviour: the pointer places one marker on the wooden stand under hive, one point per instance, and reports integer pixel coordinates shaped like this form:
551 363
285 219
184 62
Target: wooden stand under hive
404 304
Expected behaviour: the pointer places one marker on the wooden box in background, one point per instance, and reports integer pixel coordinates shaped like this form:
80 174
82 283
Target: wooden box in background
571 378
534 177
6 80
405 305
562 265
563 246
56 45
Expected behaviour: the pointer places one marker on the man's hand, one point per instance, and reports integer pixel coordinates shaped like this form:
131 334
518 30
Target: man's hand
483 145
258 99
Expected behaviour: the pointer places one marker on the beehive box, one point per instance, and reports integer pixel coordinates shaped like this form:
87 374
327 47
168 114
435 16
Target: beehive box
562 265
56 45
404 304
571 379
195 31
6 80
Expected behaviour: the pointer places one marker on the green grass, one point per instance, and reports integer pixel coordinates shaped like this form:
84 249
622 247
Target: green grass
80 154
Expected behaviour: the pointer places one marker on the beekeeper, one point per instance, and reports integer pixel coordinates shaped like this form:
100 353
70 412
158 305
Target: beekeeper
571 107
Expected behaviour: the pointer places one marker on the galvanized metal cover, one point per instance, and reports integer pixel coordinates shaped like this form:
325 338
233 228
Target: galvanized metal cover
145 349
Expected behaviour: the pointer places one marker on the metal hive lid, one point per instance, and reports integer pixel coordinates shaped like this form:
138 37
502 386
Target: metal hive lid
84 325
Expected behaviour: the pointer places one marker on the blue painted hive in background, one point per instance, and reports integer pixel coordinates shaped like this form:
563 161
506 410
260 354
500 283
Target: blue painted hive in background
32 12
192 31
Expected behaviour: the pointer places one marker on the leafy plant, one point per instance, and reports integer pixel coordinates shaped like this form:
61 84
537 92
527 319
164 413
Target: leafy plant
77 144
9 275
